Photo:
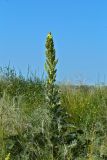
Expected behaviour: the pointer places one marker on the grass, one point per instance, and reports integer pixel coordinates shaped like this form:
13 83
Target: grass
25 121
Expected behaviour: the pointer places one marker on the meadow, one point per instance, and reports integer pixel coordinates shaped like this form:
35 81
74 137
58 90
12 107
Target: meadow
34 125
25 120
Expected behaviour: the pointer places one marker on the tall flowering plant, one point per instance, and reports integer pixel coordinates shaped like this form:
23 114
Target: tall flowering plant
52 95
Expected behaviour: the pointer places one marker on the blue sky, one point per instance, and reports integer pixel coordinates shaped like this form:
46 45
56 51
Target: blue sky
79 28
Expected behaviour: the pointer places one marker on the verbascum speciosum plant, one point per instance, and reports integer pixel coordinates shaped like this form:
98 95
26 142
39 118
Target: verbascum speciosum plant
52 91
52 95
61 131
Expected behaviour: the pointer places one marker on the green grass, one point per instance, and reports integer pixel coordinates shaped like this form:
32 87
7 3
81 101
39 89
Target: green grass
25 121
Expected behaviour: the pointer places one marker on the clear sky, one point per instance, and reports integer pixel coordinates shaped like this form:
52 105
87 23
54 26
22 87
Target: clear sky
79 28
